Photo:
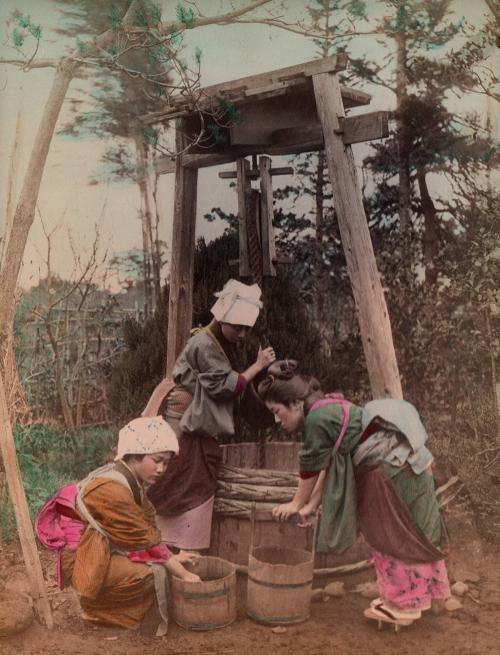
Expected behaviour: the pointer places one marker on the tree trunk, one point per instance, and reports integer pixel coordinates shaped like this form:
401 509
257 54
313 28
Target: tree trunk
404 192
146 221
430 244
25 211
11 183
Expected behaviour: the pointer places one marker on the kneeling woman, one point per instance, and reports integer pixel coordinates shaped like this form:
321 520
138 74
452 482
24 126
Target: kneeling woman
370 470
118 565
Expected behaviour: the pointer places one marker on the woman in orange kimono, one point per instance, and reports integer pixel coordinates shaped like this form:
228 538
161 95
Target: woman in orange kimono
118 568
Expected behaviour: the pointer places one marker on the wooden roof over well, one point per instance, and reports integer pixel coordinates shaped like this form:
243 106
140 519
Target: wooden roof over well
276 110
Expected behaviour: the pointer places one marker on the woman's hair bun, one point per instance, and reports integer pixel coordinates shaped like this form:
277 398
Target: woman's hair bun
283 369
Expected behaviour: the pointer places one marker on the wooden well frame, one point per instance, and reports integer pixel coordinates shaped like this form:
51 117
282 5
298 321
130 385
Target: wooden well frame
291 110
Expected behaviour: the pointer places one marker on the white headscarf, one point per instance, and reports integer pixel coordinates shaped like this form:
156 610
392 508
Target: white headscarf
237 303
146 436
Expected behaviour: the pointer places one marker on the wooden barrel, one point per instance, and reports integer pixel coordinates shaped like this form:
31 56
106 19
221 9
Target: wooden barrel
279 585
209 604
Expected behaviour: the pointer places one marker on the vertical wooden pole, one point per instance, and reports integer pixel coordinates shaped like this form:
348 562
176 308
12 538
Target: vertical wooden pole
21 509
180 307
371 307
266 215
244 208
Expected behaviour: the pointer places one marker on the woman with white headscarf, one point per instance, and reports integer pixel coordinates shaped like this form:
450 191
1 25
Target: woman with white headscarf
117 565
199 404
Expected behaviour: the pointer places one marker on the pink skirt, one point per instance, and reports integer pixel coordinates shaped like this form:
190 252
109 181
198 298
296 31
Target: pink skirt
189 530
410 586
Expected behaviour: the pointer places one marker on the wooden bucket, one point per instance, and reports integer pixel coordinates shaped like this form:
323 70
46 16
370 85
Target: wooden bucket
279 586
209 604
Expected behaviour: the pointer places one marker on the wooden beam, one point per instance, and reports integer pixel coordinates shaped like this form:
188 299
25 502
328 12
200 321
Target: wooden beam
244 209
266 216
180 305
25 529
354 129
371 307
254 174
365 127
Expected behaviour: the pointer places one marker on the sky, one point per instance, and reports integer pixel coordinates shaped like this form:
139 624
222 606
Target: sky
69 205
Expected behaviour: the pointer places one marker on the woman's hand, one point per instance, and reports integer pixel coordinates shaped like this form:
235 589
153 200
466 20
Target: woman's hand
306 514
190 577
265 357
186 558
285 511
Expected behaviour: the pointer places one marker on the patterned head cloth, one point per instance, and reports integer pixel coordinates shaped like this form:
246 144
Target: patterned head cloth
146 436
237 303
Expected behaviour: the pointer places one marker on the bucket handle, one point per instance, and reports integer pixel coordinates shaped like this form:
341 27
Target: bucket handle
266 515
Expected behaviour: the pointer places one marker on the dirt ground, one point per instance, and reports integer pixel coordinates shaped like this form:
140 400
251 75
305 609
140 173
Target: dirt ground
336 627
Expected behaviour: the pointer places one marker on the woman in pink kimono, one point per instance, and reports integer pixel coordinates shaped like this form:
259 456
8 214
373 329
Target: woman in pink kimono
198 402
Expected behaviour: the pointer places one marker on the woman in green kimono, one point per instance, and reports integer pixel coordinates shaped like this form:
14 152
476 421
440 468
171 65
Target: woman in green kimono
198 402
370 471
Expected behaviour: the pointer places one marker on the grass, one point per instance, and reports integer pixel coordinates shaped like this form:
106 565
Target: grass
50 457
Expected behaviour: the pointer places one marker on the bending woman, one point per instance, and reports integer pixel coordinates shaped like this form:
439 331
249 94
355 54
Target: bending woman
117 562
370 470
199 405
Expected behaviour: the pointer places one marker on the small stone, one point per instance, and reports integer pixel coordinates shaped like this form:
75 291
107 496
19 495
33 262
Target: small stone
335 589
317 595
367 590
279 630
326 599
474 593
452 604
459 588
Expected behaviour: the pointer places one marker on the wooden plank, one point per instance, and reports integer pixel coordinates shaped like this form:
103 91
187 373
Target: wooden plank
369 297
354 129
24 527
244 208
254 174
180 305
365 127
266 217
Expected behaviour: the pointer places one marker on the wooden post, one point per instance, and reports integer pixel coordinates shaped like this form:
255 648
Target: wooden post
244 209
361 265
266 216
180 306
21 509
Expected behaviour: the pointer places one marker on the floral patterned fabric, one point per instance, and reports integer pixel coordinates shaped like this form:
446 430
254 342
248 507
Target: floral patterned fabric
410 586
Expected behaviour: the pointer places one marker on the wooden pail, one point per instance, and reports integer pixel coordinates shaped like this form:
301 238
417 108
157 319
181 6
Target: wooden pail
209 604
280 579
279 585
